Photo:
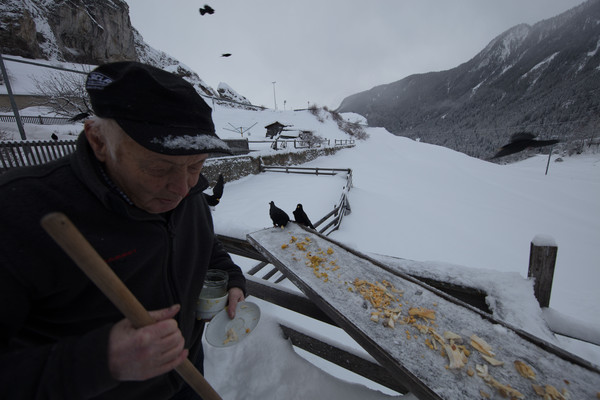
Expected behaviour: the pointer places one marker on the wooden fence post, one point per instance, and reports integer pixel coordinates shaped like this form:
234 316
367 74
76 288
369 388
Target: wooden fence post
542 260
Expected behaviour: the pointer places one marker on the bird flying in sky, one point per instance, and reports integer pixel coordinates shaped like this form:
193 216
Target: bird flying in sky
278 216
226 55
301 217
206 10
521 141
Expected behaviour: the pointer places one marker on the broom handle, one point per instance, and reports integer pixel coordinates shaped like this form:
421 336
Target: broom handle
68 237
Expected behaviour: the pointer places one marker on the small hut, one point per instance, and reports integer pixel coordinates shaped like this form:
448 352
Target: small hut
274 129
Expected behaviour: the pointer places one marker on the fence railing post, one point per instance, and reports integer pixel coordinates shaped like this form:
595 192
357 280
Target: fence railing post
542 261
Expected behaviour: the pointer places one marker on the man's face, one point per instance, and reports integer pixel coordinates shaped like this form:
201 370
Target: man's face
154 182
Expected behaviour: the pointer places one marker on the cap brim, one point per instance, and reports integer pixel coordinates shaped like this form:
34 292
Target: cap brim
173 140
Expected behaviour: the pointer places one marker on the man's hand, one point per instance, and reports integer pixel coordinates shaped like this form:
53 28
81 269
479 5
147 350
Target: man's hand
140 354
236 295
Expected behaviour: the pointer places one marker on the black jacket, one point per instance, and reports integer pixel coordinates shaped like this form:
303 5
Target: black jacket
54 323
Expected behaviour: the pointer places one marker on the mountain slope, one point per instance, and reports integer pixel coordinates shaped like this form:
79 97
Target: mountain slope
543 78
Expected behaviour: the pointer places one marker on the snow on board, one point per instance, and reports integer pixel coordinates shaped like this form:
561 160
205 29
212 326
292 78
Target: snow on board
439 348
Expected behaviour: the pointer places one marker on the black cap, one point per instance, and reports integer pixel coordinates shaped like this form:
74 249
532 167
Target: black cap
159 110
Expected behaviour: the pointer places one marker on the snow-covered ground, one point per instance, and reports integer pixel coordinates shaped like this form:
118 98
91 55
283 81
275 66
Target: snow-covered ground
467 220
472 221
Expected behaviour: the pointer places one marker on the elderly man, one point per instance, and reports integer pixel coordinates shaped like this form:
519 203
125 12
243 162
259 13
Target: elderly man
134 189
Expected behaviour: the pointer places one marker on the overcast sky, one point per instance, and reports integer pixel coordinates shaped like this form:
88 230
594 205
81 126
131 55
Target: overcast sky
321 51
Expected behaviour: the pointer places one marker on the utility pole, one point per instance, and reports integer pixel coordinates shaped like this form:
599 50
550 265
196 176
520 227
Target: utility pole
13 104
274 97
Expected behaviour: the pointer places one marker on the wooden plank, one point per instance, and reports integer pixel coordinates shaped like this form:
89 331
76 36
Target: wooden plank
257 267
269 274
404 350
301 304
471 296
240 247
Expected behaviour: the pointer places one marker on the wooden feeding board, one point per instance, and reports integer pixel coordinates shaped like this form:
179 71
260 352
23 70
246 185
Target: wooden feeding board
437 346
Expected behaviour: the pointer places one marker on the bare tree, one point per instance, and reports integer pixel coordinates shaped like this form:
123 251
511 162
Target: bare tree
64 92
311 139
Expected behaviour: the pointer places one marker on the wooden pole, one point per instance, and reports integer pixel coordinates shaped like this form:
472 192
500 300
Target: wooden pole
70 239
548 163
542 260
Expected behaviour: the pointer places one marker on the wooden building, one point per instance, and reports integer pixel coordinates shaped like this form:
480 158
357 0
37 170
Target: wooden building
274 129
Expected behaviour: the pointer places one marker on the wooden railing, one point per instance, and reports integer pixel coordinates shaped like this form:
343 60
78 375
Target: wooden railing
24 153
327 224
303 170
332 220
343 142
303 144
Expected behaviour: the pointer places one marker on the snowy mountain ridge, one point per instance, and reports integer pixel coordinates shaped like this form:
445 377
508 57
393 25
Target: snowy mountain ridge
541 79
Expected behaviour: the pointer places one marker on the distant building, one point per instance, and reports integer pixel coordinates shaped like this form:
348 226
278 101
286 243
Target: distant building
274 129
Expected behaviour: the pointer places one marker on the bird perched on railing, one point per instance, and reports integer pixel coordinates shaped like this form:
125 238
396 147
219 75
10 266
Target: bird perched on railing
278 216
217 193
521 141
301 217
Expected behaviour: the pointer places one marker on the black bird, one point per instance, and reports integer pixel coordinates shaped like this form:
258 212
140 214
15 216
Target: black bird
278 216
79 117
301 217
521 141
206 10
226 55
217 193
54 137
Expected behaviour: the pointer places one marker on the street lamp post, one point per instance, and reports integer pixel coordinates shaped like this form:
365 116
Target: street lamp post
274 97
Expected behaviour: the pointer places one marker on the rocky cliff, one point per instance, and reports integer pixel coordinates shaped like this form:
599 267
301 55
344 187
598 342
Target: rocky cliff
83 31
80 31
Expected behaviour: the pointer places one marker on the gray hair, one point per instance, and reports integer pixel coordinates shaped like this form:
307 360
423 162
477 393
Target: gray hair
111 131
